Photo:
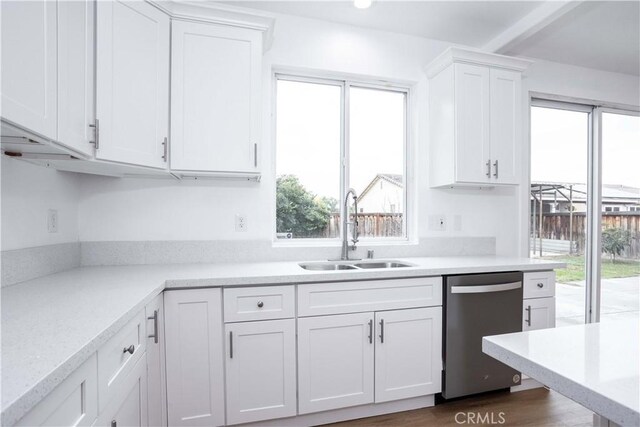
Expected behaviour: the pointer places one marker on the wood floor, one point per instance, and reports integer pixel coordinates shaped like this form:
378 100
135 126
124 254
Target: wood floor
536 408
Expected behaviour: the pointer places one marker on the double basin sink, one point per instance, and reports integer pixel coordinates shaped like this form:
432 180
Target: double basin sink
353 265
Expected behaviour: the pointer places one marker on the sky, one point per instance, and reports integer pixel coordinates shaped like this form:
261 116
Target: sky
559 143
308 135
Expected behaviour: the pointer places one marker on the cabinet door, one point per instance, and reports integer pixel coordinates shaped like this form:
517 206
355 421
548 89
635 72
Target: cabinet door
29 65
506 126
408 353
194 350
75 74
539 313
132 82
157 391
472 123
335 362
129 406
215 97
261 370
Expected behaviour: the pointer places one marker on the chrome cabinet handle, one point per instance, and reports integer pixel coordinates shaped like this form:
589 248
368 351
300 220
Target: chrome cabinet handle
540 285
96 133
381 331
114 423
496 166
230 345
129 349
165 147
371 331
155 326
528 320
255 155
260 304
488 168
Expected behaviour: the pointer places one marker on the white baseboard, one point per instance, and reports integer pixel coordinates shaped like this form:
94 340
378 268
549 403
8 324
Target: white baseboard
344 414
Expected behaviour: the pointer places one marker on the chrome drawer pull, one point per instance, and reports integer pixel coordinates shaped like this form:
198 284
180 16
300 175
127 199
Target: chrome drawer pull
540 285
155 326
129 349
260 304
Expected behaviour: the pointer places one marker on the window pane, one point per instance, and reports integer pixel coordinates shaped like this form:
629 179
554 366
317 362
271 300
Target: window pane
559 146
620 281
307 159
376 159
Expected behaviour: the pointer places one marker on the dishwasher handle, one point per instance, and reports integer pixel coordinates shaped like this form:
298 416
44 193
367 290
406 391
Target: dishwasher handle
481 289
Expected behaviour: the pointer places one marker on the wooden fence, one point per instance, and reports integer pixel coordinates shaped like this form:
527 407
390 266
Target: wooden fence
370 225
555 226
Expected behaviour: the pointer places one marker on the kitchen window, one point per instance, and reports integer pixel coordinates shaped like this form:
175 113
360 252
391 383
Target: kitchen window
333 135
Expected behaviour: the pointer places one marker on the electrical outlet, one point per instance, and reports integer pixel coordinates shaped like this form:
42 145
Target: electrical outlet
442 223
52 221
437 222
241 223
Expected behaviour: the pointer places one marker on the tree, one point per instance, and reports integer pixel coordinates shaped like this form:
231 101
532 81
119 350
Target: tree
614 240
299 211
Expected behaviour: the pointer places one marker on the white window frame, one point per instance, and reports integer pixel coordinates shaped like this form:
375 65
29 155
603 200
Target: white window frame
345 83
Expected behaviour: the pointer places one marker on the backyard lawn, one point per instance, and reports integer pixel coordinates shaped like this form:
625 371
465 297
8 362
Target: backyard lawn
610 270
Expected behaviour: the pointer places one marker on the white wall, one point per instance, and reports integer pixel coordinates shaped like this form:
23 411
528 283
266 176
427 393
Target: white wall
28 192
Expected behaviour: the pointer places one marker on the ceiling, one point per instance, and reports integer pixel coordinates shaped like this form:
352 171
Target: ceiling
603 35
599 34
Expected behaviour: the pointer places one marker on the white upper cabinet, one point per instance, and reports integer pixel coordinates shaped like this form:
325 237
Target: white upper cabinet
132 83
29 74
76 74
215 98
506 125
475 118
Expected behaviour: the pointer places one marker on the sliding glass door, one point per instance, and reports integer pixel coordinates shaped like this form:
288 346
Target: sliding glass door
620 215
560 138
585 207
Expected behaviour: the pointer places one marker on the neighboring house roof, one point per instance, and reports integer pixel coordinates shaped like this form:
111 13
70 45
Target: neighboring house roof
394 179
610 193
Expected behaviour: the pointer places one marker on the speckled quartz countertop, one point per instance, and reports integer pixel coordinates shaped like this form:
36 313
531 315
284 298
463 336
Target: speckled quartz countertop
52 324
596 364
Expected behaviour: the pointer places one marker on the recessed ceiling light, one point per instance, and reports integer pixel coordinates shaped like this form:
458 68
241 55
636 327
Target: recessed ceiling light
362 4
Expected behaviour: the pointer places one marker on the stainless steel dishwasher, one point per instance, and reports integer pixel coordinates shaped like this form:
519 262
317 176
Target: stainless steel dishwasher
476 306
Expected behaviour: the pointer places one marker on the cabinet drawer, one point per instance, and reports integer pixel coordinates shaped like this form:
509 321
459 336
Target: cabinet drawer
370 295
259 303
539 284
114 359
73 403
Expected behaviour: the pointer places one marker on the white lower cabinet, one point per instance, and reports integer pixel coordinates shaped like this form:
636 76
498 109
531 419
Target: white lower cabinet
260 370
539 313
129 407
73 403
156 379
408 353
194 357
335 361
354 359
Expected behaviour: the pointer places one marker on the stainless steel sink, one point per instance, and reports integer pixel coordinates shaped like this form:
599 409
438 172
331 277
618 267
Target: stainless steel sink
382 264
343 265
316 266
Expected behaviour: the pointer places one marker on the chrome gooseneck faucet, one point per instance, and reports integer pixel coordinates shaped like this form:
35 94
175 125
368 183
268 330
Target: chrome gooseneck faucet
345 225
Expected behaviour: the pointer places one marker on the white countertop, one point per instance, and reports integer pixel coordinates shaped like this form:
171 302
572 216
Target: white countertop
52 324
595 365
